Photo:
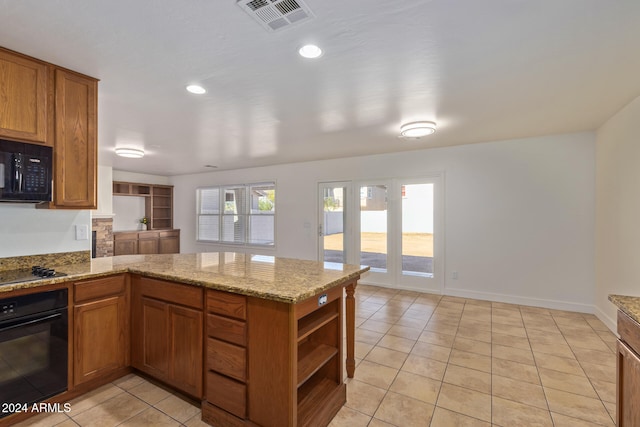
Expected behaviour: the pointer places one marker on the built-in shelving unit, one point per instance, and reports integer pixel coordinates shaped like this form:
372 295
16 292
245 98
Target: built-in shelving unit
319 367
158 205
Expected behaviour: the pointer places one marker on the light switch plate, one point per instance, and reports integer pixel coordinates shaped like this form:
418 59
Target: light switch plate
82 232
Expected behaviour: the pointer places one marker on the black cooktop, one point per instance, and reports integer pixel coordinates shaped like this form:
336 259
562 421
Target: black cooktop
36 272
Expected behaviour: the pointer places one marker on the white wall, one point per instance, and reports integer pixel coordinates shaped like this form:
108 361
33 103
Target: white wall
618 209
105 193
130 209
25 230
519 215
142 178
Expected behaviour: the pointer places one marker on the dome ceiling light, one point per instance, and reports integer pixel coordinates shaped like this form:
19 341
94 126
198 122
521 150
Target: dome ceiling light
417 129
198 90
132 153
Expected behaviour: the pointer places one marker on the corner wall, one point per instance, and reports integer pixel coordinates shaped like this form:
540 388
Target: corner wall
618 210
519 215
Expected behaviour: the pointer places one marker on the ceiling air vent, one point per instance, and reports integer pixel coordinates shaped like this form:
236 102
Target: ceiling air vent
275 15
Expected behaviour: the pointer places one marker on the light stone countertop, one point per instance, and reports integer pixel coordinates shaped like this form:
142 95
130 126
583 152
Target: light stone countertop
628 305
273 278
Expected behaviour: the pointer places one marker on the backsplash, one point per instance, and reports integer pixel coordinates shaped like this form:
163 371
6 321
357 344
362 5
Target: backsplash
27 261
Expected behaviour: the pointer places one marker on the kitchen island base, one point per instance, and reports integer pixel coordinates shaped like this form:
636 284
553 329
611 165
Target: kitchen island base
271 363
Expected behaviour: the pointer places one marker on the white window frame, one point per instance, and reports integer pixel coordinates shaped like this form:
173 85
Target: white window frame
247 214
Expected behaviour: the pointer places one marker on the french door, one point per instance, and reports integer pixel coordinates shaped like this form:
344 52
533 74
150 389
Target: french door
333 234
397 230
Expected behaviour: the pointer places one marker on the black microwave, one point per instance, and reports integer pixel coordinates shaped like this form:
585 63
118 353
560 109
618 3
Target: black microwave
25 172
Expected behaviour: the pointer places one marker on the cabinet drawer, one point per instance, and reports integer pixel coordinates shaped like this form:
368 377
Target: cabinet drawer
227 304
227 394
98 288
190 296
227 359
172 233
225 329
629 331
125 236
143 235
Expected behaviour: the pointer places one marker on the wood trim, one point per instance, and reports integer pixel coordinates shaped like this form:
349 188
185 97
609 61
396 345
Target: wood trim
271 330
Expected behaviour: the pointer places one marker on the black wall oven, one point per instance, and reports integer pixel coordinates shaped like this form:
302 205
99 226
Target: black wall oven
33 347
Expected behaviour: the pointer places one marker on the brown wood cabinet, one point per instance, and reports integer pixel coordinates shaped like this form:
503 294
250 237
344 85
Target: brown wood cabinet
125 243
101 327
23 91
628 372
169 242
146 242
245 335
167 332
76 141
45 104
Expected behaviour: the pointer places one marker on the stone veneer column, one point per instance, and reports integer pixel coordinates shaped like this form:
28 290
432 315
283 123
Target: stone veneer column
104 236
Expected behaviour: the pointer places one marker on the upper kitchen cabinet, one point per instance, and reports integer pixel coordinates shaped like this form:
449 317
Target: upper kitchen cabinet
75 139
23 98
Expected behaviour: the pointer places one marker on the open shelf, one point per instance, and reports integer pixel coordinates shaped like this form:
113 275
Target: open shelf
314 321
316 390
312 357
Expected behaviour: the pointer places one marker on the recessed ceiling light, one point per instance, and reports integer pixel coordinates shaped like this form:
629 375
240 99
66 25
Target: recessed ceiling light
417 129
310 51
132 153
198 90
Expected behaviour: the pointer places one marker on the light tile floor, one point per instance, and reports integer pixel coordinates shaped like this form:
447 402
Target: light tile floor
427 360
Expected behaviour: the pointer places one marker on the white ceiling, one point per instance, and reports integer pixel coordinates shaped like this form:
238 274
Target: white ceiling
483 70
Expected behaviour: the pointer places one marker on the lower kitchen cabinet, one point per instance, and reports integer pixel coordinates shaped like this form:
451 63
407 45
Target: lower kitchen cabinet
146 242
101 328
628 372
168 332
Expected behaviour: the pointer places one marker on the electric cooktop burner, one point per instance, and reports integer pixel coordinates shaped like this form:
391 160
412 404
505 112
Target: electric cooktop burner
27 275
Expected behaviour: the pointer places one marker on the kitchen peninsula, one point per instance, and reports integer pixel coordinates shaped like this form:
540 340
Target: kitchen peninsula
258 339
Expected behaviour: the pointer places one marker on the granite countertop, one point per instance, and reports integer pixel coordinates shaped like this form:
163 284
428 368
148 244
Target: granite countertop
628 305
279 279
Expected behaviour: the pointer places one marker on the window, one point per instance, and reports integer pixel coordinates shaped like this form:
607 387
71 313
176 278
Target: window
237 214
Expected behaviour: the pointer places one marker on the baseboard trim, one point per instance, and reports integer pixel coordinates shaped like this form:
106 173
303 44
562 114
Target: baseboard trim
610 323
508 299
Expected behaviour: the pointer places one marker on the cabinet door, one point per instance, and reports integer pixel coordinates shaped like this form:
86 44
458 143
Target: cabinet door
151 333
75 140
628 411
186 349
23 91
169 245
101 337
147 246
125 247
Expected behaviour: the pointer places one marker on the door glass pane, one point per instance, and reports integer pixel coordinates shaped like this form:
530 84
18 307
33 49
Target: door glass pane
333 219
417 229
373 227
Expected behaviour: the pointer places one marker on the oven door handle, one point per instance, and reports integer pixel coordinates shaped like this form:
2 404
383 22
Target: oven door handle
21 324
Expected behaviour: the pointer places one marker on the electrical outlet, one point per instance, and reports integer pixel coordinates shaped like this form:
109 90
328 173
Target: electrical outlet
82 232
454 275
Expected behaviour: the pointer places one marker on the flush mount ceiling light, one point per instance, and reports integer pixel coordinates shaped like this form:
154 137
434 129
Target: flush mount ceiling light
310 51
132 153
417 129
198 90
